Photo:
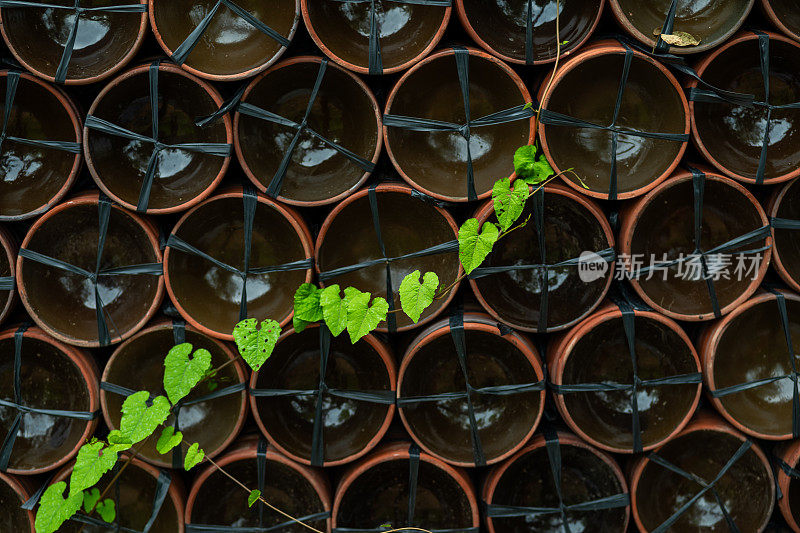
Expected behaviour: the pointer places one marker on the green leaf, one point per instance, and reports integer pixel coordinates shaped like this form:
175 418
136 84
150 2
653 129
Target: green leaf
182 373
254 344
94 460
531 166
169 439
509 203
361 316
415 297
107 510
90 499
306 303
116 438
334 309
54 510
298 324
528 105
255 494
474 246
194 455
140 421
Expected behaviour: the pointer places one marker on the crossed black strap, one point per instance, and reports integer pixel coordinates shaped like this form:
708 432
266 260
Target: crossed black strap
520 112
7 283
22 409
104 206
661 46
250 199
381 397
109 128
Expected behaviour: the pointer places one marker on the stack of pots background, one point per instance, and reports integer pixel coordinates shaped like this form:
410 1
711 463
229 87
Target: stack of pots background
157 160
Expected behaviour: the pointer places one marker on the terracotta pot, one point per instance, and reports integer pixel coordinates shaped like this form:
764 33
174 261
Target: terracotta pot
105 41
785 204
573 225
661 225
436 162
230 48
730 136
36 178
789 504
208 296
702 450
8 259
138 364
295 489
344 111
784 14
711 22
134 504
431 366
526 480
408 224
406 32
596 351
63 303
586 87
376 490
14 493
351 428
181 178
53 375
501 29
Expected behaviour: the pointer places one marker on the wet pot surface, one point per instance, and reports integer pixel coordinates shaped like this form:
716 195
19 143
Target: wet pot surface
13 519
787 241
787 13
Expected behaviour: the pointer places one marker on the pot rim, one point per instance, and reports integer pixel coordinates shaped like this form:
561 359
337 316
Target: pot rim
700 68
513 76
603 48
773 17
288 63
137 44
7 246
398 188
22 491
385 356
790 455
221 77
91 198
487 209
159 325
136 71
294 219
772 209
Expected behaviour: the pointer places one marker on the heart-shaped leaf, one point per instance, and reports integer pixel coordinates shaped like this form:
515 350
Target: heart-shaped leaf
194 455
531 165
182 373
90 499
93 460
415 297
509 203
255 494
306 303
107 510
334 309
361 316
54 510
255 344
139 420
474 246
169 439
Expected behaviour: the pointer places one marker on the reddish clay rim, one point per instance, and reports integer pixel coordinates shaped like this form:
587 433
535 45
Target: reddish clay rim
563 348
23 493
399 451
619 14
790 454
237 365
222 77
288 213
388 362
772 208
565 439
487 210
630 220
90 198
601 48
74 115
698 141
773 17
449 52
83 81
251 175
389 187
245 450
702 422
143 69
365 70
9 248
462 14
482 323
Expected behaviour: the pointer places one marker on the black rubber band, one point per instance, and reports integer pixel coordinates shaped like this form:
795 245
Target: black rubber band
206 528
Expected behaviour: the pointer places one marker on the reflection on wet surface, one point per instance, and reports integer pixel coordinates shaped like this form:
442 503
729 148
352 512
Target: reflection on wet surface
91 30
390 17
540 14
228 286
750 124
14 167
336 411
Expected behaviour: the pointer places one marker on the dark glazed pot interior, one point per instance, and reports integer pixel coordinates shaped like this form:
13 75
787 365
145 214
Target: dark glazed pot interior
211 295
733 135
119 164
787 241
570 229
665 229
408 225
746 488
230 45
49 379
139 365
437 161
405 30
344 112
502 25
34 176
13 518
787 13
64 301
601 355
349 425
588 91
